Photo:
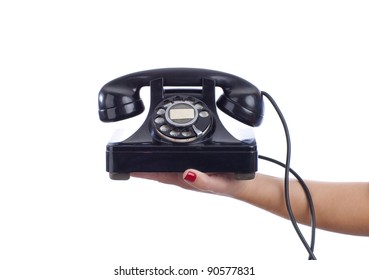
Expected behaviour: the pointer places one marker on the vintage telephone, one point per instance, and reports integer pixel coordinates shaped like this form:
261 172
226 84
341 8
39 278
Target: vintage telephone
182 129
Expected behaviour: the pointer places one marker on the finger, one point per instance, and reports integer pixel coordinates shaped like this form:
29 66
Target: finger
164 177
167 178
219 183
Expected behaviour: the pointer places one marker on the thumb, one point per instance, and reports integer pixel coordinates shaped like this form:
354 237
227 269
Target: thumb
217 183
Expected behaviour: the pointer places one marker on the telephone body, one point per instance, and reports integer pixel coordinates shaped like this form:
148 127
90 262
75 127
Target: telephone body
182 129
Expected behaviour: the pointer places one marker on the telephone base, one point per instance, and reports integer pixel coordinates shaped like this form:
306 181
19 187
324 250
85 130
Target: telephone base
239 159
119 176
244 176
126 176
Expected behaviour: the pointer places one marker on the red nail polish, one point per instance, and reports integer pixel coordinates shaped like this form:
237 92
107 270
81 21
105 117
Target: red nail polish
190 176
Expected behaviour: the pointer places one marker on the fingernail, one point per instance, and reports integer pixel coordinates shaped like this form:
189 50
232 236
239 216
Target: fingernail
190 176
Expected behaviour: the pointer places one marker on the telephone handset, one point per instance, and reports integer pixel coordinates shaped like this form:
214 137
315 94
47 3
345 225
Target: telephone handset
182 129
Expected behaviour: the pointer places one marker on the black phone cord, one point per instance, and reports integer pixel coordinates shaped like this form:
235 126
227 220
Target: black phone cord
288 170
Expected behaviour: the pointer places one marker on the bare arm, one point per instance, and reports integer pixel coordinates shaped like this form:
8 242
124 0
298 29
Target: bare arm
339 207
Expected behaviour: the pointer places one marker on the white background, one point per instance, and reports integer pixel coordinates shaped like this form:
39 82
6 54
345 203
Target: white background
60 215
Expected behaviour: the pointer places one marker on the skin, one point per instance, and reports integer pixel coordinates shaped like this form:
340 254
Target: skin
340 207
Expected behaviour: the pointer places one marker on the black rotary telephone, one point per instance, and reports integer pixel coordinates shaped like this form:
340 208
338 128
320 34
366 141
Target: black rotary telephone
182 129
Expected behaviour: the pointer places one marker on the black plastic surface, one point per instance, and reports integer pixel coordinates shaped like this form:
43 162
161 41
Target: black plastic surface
120 99
215 150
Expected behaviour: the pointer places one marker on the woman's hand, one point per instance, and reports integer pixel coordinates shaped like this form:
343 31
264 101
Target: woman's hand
216 183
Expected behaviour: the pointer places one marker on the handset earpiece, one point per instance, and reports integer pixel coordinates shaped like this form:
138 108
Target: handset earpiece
120 99
242 101
113 107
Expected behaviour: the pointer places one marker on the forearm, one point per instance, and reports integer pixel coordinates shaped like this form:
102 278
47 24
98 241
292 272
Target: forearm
340 207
